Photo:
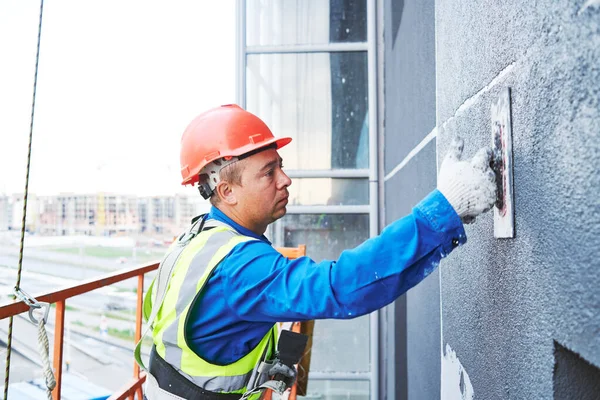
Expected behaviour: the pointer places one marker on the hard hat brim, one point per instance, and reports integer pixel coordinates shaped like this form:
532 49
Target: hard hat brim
279 142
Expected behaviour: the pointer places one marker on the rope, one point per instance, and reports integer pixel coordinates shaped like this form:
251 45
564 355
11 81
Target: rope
44 348
20 267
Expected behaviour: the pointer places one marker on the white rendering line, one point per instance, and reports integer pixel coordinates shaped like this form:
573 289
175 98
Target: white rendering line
412 153
589 3
473 99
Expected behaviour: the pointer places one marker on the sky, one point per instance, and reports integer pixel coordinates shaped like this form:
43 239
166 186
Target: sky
118 82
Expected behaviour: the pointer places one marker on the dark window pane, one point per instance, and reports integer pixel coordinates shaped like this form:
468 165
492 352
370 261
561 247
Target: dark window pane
348 21
320 100
349 111
329 191
288 22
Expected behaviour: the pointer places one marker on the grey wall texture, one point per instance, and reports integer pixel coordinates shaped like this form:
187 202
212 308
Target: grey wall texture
409 76
410 115
507 303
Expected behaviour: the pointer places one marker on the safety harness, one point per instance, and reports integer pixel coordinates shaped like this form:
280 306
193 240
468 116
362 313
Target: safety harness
163 381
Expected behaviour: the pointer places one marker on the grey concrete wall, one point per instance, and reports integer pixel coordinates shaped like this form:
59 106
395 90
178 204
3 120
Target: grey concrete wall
410 115
409 75
418 312
505 302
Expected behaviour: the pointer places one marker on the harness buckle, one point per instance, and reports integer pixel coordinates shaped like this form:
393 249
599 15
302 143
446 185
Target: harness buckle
186 237
283 373
290 349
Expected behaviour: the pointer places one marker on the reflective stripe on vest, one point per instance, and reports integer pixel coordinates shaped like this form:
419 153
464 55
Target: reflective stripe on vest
192 270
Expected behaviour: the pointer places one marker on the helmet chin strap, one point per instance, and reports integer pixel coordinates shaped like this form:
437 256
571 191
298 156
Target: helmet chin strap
210 175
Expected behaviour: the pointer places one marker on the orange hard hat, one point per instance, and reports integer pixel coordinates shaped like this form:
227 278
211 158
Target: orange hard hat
226 131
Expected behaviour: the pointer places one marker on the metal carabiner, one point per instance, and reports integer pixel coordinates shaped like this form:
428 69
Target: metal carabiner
45 306
33 305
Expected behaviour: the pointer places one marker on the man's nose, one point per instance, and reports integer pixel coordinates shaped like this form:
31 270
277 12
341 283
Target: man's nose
284 180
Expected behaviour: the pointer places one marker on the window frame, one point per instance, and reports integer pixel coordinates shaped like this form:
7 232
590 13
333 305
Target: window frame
372 173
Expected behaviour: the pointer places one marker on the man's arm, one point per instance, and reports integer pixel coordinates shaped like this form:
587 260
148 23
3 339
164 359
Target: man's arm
264 286
261 285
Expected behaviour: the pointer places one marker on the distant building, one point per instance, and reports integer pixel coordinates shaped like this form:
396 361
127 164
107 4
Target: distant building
100 214
168 214
11 208
5 212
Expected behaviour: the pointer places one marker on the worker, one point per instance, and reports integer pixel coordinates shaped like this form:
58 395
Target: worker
213 313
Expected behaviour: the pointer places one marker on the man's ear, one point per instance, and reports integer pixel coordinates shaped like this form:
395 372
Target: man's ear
226 193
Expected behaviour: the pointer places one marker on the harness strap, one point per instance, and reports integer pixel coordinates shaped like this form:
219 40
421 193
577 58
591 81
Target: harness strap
163 277
259 373
167 379
153 391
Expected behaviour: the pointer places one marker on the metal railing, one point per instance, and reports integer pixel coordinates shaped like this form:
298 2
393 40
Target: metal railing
132 388
59 298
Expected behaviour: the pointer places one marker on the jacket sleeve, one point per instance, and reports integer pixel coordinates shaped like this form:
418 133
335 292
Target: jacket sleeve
261 285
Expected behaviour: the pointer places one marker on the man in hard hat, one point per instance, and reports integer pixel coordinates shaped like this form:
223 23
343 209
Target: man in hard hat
222 287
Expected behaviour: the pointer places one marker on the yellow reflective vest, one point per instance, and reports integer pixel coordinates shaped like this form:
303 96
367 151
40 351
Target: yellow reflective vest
194 264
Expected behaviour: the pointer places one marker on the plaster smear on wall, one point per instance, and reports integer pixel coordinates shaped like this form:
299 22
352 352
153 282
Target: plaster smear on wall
456 384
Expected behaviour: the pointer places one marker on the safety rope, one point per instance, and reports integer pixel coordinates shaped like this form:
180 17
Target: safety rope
23 221
44 348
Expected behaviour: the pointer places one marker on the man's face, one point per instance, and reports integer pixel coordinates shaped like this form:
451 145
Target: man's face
263 195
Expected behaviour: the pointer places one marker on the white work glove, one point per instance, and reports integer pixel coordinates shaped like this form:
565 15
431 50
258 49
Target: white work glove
469 186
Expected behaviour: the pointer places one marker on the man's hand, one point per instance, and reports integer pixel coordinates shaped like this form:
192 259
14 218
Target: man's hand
469 186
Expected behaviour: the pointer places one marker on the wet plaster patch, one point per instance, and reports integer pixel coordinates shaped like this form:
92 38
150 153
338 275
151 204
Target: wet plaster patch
456 384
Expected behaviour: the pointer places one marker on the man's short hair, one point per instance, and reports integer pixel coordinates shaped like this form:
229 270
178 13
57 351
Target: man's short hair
231 173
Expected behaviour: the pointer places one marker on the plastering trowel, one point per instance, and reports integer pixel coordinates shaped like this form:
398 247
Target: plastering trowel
502 164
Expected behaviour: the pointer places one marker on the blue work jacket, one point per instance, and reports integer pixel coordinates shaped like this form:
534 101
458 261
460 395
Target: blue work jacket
255 286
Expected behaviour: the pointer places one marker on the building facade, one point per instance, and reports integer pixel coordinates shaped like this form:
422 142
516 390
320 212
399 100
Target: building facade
372 92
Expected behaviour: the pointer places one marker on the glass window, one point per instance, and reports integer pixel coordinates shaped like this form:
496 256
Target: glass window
341 345
288 22
329 191
337 390
338 345
319 99
325 235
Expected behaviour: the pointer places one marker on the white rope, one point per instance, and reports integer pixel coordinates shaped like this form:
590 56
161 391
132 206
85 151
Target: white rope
44 349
